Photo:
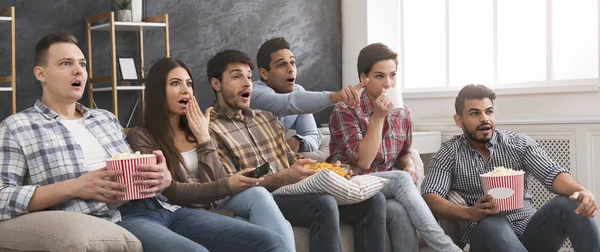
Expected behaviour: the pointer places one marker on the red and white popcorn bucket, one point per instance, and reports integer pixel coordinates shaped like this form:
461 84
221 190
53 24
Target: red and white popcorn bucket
507 190
129 166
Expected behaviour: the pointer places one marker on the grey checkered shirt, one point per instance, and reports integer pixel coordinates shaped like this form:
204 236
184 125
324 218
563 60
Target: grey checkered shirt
38 150
457 166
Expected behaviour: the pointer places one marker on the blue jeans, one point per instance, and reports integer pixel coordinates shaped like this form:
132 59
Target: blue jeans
256 205
547 230
407 213
194 230
321 214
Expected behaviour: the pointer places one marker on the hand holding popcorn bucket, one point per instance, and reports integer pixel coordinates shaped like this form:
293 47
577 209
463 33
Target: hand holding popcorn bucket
127 163
505 186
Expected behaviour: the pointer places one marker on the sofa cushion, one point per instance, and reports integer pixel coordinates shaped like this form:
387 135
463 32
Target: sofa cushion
355 190
322 153
302 238
64 231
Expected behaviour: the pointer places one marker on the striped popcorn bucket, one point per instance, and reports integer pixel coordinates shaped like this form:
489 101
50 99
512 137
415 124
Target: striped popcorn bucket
506 190
128 166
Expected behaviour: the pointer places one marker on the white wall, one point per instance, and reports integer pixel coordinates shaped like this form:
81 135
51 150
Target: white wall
356 15
354 37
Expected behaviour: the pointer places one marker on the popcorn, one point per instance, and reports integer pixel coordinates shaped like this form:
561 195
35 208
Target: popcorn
501 171
125 155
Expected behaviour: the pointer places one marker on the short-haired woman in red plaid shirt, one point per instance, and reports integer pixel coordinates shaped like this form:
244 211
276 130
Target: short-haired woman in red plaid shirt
375 141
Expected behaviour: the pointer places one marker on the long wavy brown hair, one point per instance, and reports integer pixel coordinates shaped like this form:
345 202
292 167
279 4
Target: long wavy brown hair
156 115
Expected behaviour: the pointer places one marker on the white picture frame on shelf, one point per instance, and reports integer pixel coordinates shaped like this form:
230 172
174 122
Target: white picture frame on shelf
127 69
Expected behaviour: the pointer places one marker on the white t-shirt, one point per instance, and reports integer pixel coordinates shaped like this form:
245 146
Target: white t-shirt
94 154
191 161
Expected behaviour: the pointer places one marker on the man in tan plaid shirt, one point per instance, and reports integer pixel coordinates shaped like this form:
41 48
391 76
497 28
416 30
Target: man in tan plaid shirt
248 138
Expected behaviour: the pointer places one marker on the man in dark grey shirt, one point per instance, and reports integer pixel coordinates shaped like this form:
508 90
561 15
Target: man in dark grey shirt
459 162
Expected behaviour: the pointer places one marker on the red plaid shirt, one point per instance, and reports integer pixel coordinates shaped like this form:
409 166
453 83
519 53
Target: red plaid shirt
349 125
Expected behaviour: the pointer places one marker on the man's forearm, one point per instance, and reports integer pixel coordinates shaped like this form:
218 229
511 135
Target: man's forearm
274 181
444 209
49 195
565 184
369 145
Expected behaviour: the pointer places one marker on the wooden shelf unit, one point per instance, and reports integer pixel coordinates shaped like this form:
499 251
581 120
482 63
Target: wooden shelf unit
112 26
8 16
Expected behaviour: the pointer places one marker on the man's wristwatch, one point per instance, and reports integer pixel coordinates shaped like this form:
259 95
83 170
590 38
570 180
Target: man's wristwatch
301 146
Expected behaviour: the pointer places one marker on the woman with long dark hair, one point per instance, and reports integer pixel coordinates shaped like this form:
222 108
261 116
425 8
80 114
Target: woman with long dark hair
174 123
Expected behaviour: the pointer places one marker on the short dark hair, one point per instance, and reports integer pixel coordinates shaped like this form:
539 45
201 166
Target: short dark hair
263 57
472 91
218 63
372 54
41 48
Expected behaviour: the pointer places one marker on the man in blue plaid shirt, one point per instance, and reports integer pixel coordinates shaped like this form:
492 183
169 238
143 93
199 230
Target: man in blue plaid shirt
53 157
455 169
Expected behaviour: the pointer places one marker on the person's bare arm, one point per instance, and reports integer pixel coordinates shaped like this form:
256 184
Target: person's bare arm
89 186
288 176
565 184
444 209
369 145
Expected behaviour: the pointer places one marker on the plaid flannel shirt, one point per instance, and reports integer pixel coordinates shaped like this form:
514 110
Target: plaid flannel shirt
348 126
38 150
250 142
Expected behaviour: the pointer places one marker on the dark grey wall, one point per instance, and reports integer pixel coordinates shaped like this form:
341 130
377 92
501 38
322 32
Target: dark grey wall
198 29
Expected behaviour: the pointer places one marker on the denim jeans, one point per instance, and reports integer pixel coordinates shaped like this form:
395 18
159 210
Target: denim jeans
194 230
256 205
407 213
322 215
547 230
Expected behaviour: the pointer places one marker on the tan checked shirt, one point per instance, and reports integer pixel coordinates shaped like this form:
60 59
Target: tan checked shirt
250 140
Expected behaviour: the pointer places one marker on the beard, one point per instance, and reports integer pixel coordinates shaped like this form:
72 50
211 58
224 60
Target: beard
231 100
472 135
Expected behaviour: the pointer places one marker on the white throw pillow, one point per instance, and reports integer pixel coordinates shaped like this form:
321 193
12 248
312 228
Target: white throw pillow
345 192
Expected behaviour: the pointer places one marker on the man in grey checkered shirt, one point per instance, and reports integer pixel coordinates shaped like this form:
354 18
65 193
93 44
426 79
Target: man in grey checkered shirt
454 174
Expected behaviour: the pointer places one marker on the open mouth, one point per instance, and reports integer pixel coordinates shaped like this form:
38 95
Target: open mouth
245 94
484 127
76 84
291 79
184 101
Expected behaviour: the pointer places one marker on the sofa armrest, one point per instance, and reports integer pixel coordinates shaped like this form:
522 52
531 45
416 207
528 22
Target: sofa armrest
418 162
64 231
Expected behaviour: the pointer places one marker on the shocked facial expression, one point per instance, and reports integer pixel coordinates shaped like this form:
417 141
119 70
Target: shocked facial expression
179 91
235 88
477 120
281 76
63 74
